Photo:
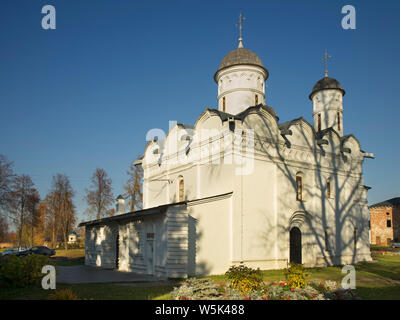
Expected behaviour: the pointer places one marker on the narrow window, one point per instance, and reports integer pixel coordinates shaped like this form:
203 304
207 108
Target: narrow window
355 239
389 223
328 188
338 121
326 240
299 188
319 122
150 235
223 104
256 99
181 189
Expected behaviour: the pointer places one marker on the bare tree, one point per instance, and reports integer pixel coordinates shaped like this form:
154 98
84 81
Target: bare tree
61 210
52 216
99 197
21 191
32 212
3 229
40 223
6 180
134 187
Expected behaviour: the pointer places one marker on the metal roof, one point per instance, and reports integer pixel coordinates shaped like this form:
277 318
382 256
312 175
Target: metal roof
387 203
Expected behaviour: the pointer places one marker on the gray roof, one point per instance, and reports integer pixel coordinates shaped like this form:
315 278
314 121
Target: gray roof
240 116
240 56
326 83
286 125
387 203
144 212
132 215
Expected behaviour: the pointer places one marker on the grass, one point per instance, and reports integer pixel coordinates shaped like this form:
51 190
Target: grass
379 280
70 253
96 291
70 257
67 261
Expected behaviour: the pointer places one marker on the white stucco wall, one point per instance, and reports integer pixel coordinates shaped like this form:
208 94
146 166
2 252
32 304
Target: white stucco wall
328 103
239 85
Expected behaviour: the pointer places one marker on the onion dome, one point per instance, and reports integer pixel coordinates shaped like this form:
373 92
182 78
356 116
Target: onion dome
326 83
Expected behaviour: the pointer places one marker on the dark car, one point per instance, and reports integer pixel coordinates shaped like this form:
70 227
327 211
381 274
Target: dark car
42 250
22 253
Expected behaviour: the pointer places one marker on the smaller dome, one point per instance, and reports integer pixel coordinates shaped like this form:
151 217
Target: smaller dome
326 83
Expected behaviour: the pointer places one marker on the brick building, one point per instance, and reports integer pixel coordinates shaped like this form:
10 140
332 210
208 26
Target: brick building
385 222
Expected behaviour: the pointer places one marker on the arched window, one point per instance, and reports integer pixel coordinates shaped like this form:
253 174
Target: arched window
223 104
338 121
256 99
181 189
299 188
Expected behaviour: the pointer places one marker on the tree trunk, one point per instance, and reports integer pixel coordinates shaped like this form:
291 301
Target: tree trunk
21 226
32 235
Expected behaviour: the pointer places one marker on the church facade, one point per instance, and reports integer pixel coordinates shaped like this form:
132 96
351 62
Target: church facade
240 187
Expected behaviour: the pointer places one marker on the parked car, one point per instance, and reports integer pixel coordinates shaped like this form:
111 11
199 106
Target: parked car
22 252
9 251
42 250
395 244
15 251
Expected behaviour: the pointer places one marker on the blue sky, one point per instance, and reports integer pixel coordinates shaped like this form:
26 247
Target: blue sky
84 95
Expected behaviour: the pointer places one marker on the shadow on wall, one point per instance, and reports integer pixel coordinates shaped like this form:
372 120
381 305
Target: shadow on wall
341 214
104 250
194 235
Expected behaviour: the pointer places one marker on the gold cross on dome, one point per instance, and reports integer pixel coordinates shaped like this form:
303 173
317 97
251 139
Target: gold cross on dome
239 25
325 59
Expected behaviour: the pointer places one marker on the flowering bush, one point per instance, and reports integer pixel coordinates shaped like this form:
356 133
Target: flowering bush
244 279
296 274
197 289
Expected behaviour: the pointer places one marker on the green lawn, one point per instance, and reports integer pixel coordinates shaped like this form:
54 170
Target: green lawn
70 253
377 280
70 257
96 291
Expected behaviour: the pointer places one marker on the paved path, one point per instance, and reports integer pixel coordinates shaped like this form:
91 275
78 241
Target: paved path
87 274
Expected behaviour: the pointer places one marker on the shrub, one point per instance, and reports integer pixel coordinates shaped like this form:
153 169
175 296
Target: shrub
196 289
244 279
65 294
22 271
296 275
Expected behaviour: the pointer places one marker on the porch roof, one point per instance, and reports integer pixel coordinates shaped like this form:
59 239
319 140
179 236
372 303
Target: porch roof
132 215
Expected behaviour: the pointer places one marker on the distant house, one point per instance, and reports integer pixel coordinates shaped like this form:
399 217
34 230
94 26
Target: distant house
72 237
385 221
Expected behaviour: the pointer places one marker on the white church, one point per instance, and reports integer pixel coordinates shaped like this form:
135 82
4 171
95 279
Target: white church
239 187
